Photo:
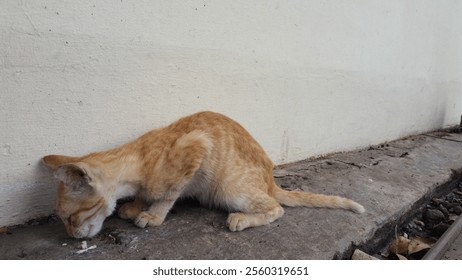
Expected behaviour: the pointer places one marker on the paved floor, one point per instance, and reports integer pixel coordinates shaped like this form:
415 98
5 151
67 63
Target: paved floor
389 180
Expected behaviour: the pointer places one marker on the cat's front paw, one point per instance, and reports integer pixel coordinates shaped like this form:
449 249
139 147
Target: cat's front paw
237 222
145 219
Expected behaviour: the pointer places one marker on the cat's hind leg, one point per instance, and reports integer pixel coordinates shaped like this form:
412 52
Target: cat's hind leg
255 209
131 210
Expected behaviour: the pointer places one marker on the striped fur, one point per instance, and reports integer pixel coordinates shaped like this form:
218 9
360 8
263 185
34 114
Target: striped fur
207 156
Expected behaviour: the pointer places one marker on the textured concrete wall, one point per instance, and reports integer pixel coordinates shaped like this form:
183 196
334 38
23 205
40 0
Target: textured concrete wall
304 77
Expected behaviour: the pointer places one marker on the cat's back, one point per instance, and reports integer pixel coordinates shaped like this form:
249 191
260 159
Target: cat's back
206 121
227 136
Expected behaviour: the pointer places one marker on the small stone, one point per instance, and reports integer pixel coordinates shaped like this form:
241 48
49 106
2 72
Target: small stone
433 214
440 228
444 210
123 239
419 223
22 254
451 205
457 210
432 217
437 201
450 197
452 218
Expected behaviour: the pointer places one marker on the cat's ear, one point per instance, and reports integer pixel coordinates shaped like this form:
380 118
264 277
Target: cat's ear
77 176
55 161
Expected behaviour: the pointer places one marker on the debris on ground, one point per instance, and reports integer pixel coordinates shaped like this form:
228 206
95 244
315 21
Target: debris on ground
84 247
4 230
360 255
419 235
405 246
84 250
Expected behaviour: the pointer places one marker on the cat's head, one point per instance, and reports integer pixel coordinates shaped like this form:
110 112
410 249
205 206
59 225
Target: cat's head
79 204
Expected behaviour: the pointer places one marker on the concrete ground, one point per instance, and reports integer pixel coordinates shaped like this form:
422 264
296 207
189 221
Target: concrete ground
388 180
454 252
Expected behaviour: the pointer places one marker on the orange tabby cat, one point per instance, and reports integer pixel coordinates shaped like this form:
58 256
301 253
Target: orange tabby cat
206 156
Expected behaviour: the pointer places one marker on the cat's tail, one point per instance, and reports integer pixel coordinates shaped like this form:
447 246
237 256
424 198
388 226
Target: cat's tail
297 198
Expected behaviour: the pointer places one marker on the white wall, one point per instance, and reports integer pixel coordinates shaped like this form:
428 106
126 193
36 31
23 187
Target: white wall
304 77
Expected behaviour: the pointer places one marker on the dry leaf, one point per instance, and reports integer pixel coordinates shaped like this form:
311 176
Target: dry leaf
400 245
418 244
360 255
3 229
401 257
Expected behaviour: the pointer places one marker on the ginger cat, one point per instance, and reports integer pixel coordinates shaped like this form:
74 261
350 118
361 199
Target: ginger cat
206 156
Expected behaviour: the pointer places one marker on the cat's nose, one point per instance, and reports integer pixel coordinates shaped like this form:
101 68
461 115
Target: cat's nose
78 233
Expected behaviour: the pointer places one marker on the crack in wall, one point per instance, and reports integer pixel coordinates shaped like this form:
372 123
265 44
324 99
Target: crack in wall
36 32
